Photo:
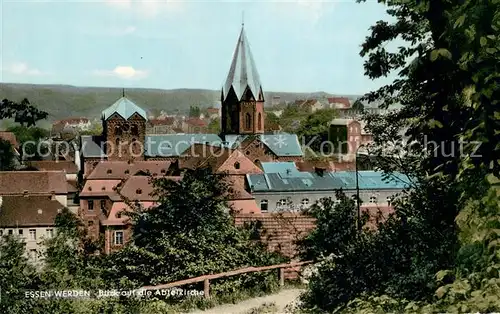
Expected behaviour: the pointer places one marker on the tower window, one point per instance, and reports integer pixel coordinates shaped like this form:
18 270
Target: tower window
259 121
135 130
117 141
248 121
118 130
236 165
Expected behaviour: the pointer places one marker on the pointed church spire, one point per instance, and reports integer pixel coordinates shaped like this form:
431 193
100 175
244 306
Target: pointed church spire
243 72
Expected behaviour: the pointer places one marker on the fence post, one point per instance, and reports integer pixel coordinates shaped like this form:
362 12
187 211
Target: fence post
206 288
281 276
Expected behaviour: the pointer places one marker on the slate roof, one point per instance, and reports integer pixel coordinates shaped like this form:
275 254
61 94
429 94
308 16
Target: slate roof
329 181
243 72
91 147
125 108
281 144
34 182
278 167
58 165
176 144
26 211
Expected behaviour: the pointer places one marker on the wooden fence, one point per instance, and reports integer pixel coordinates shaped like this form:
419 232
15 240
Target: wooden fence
206 278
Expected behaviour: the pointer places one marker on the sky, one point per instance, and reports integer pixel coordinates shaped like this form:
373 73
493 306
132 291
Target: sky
298 46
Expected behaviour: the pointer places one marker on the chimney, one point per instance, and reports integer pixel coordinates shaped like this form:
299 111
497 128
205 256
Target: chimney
53 195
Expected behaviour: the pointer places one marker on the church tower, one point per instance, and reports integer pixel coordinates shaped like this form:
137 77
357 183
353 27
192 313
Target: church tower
124 128
242 98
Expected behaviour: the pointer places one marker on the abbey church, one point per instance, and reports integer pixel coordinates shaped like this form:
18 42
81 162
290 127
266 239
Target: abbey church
124 135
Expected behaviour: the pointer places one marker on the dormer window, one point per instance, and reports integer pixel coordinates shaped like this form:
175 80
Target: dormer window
162 171
138 191
109 171
236 165
90 188
127 171
103 188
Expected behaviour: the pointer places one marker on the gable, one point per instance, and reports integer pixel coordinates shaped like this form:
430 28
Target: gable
136 116
245 165
115 116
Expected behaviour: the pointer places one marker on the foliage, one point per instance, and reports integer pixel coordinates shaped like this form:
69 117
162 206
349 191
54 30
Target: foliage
194 112
214 126
7 156
335 227
23 113
314 129
399 258
16 276
190 234
358 106
271 121
31 140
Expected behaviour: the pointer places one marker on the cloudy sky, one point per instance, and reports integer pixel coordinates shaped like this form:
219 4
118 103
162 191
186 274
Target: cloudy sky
298 46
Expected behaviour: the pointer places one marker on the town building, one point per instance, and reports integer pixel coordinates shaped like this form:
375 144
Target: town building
346 135
310 105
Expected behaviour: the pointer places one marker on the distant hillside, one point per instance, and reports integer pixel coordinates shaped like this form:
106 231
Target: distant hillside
62 101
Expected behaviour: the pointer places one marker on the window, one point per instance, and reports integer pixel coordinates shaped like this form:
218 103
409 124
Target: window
389 200
1 233
355 199
138 191
127 171
90 205
236 165
117 141
305 201
118 130
135 130
20 231
103 204
256 161
248 121
109 171
118 237
373 199
11 232
90 223
32 234
282 202
50 233
33 254
263 205
259 121
119 215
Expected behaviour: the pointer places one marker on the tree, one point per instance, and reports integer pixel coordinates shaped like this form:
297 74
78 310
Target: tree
6 156
358 106
190 234
31 140
23 113
214 126
194 111
314 129
271 121
17 275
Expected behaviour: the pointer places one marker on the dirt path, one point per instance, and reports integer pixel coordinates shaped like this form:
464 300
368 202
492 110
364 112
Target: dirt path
281 299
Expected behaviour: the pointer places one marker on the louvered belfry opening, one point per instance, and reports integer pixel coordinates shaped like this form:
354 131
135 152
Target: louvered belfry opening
242 97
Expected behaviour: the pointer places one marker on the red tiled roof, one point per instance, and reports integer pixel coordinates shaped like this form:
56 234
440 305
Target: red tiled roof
9 137
59 165
117 208
71 121
25 211
200 155
34 182
163 121
244 206
340 100
138 188
196 122
213 110
100 188
123 169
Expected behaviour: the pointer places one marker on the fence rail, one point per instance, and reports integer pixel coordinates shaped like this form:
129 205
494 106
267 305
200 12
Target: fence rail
206 278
